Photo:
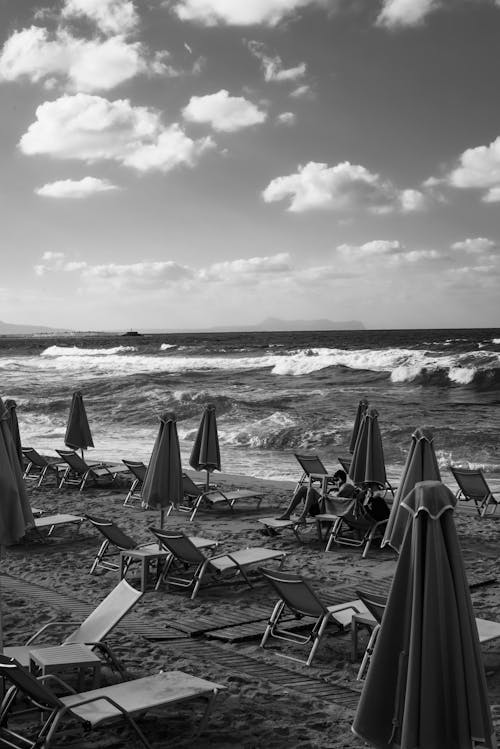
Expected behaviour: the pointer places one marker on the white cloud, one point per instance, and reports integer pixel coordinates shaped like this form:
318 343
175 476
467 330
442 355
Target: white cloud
56 262
493 194
401 13
479 168
286 118
342 187
83 65
249 269
241 12
273 66
91 128
412 200
394 250
301 91
77 189
110 16
223 112
474 245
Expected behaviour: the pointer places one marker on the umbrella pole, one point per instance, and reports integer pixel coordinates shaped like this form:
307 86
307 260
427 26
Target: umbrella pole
208 481
2 557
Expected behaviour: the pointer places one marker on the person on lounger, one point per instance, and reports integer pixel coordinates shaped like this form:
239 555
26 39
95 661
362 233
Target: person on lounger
311 496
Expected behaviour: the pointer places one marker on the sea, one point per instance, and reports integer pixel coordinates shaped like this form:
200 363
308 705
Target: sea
275 393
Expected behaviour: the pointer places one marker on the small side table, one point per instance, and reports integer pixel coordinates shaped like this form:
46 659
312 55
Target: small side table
145 555
66 658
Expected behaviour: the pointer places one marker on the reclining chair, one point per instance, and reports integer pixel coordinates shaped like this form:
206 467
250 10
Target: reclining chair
472 486
78 472
138 470
38 467
195 496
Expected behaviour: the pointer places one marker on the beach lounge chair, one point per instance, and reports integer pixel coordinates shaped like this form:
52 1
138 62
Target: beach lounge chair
196 496
297 597
78 472
38 467
311 465
295 524
356 527
472 486
97 707
92 631
50 522
138 470
188 565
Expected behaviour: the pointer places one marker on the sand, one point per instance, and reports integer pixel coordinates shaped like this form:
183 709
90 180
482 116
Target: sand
252 711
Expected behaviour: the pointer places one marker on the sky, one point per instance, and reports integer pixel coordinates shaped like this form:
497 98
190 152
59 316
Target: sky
199 163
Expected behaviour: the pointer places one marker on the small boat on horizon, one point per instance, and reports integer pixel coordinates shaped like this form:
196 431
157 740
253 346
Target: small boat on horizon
131 333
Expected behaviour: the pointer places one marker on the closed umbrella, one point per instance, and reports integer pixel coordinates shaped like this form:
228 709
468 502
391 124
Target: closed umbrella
360 414
11 406
421 465
78 436
368 464
205 455
163 481
15 511
426 686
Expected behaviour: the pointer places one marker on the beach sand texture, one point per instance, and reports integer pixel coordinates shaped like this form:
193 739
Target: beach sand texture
268 701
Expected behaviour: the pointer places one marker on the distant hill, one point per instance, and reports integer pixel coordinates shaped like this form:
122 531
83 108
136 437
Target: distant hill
7 328
275 323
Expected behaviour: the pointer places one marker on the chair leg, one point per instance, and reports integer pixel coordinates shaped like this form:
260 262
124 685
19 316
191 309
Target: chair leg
195 509
198 576
42 475
317 635
368 653
100 555
273 621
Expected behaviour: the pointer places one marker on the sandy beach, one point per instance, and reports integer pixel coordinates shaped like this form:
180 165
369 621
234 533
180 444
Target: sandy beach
267 701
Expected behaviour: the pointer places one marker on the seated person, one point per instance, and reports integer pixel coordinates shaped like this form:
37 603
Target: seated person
311 496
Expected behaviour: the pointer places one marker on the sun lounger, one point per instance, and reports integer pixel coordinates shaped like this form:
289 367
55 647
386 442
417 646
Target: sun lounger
38 467
78 472
92 631
472 486
295 524
297 597
138 470
124 701
356 527
196 496
50 522
194 564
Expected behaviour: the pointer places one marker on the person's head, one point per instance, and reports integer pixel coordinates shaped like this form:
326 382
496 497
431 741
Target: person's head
340 476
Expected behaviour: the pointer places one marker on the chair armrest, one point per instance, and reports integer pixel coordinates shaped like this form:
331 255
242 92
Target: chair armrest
52 623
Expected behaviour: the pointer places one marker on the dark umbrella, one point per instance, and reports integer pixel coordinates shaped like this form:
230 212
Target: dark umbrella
163 481
426 685
15 511
367 464
360 414
421 465
78 436
11 406
205 455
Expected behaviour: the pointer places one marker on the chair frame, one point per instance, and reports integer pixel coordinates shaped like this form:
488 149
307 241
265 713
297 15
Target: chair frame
367 528
184 552
53 709
44 466
482 497
310 464
115 541
78 472
199 496
298 597
138 469
375 603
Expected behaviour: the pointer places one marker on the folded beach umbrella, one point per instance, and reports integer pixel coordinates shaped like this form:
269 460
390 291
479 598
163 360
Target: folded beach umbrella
425 686
78 436
368 464
205 455
421 465
360 414
11 406
163 481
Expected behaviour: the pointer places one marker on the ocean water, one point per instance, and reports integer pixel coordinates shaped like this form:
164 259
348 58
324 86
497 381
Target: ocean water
275 393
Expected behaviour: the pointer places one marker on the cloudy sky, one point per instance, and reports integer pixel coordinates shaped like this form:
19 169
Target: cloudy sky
195 163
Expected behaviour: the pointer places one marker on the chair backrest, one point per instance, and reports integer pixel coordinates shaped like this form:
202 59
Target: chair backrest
34 457
189 487
22 679
75 462
112 532
107 615
179 545
311 464
136 467
295 591
345 463
374 602
471 482
357 516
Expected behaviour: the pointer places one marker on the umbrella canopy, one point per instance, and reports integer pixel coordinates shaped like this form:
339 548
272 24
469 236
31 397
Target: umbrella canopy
421 465
78 436
11 406
426 685
360 414
15 511
205 455
368 464
163 481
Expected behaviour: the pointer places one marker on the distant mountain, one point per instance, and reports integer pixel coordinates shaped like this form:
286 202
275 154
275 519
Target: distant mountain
269 324
7 328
